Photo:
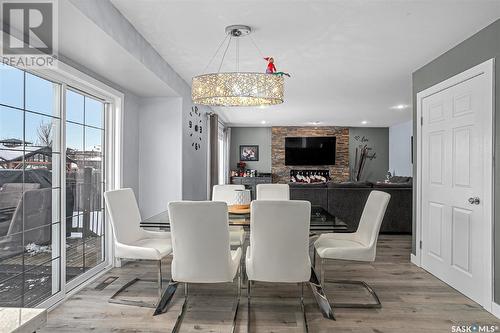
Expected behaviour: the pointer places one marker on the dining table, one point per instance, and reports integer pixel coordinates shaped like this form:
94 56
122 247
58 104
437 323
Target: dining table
321 221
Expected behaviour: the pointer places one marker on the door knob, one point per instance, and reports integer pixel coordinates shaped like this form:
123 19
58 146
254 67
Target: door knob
474 200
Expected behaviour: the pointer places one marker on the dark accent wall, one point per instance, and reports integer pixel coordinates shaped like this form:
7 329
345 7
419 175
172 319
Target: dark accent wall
482 46
377 141
338 172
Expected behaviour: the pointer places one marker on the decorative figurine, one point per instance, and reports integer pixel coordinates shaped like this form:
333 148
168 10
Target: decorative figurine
271 68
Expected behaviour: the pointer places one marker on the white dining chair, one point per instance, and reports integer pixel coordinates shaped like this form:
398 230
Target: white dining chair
131 242
273 192
201 249
279 245
358 246
227 193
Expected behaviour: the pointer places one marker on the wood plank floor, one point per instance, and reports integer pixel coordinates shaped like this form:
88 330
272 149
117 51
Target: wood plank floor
413 301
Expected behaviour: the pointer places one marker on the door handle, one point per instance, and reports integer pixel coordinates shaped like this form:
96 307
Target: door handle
474 200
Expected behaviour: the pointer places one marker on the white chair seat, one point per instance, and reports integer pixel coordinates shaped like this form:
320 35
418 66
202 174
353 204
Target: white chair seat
236 235
144 249
345 249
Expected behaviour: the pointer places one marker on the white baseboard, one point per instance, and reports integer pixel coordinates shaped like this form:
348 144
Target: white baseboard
414 260
495 309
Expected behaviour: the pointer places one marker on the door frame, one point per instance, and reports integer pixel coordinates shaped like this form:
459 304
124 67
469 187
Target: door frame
485 68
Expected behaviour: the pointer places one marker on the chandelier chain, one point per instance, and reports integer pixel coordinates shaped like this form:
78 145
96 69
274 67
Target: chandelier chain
224 55
237 54
215 54
255 44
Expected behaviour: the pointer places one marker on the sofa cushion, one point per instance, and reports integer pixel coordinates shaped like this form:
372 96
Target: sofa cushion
350 185
392 185
307 185
400 179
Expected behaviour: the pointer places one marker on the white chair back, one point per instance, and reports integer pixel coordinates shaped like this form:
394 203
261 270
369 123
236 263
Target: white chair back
226 193
200 242
273 192
279 241
371 218
124 215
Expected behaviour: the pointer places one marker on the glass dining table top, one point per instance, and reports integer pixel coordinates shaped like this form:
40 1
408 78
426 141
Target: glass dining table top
321 220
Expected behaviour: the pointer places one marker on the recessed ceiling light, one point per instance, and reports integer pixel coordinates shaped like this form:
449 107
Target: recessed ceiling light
400 107
263 122
364 122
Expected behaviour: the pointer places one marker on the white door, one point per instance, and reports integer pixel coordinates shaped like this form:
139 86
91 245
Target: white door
456 187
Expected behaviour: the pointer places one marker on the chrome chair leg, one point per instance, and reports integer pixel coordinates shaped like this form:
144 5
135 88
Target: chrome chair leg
248 304
322 270
306 326
160 281
237 303
113 299
373 294
180 317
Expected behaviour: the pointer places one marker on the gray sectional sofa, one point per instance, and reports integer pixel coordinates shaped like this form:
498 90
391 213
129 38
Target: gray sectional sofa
346 201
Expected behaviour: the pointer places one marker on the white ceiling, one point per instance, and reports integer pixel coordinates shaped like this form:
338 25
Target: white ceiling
350 61
86 44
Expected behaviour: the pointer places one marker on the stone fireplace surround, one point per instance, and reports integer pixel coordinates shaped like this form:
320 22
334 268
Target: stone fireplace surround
338 172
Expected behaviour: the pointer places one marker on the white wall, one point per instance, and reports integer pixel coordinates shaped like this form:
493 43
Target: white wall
116 26
131 143
400 149
160 153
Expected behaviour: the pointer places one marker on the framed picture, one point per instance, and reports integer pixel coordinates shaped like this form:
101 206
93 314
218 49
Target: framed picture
249 153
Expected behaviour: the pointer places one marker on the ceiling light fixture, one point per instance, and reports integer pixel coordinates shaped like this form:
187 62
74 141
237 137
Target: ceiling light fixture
237 88
263 122
400 107
364 122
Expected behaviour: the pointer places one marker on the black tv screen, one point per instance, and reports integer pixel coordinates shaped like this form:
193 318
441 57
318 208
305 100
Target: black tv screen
310 150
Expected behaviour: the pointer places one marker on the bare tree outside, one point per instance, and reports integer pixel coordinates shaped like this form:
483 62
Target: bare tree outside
45 134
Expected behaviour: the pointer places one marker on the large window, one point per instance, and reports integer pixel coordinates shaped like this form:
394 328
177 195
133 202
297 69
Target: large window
49 207
30 188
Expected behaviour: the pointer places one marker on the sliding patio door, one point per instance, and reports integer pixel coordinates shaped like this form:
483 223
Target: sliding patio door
52 166
85 148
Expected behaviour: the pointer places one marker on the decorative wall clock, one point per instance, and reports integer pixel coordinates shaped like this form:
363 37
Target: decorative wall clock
195 128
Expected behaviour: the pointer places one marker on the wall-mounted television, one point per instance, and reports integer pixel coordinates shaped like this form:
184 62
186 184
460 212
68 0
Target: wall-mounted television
310 150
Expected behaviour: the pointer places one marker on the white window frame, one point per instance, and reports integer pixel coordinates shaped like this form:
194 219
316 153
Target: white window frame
68 76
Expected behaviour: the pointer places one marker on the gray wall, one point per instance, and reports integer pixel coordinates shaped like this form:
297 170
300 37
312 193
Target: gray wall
400 149
260 136
483 46
378 140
